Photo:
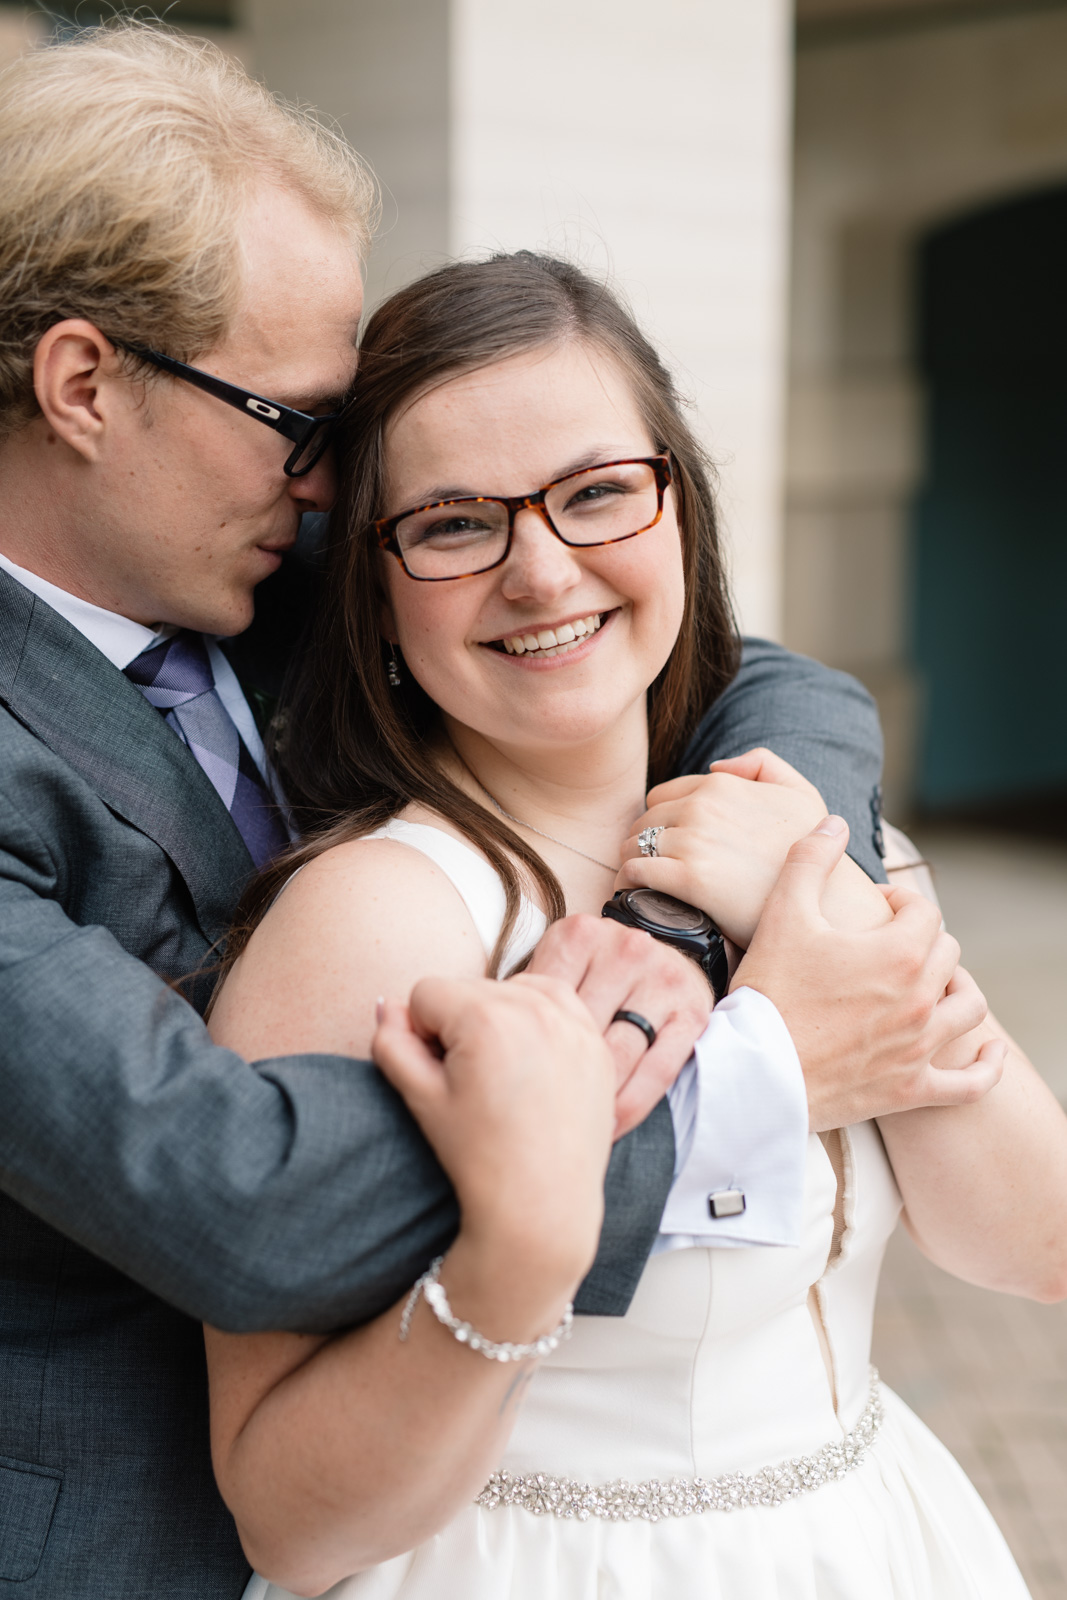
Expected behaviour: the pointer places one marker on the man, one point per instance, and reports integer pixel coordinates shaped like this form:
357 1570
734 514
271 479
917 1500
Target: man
156 200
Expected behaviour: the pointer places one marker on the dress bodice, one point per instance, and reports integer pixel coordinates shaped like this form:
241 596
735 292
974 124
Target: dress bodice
737 1382
727 1359
476 883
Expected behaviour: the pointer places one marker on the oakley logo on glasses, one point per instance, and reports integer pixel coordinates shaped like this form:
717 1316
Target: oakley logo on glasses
310 436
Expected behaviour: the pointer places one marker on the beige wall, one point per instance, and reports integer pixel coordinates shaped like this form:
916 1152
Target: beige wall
382 69
893 134
650 143
20 29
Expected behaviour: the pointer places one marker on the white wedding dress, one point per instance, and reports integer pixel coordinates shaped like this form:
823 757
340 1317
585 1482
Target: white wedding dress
726 1439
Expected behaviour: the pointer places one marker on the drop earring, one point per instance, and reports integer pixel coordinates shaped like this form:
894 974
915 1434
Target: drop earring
393 670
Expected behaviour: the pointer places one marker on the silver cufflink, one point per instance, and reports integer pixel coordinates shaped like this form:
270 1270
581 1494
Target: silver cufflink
726 1203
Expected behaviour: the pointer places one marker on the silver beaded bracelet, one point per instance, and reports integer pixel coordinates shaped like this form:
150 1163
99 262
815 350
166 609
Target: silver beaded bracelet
437 1300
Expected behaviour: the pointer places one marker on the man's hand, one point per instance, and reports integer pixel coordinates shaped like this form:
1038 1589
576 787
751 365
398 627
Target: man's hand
612 968
869 1011
514 1087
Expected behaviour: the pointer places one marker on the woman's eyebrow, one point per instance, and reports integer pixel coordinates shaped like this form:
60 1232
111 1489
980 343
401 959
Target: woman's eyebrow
445 492
597 456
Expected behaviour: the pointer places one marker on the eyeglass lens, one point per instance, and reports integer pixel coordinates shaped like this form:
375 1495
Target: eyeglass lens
310 451
458 537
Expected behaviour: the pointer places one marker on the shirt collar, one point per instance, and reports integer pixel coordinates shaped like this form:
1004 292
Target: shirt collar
119 638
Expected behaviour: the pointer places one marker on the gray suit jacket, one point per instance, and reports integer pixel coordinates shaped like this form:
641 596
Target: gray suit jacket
150 1179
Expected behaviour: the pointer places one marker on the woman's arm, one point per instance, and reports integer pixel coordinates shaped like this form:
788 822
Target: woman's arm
983 1179
964 1206
367 918
984 1184
337 1454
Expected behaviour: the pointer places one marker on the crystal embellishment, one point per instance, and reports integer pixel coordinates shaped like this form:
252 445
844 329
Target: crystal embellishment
437 1300
620 1501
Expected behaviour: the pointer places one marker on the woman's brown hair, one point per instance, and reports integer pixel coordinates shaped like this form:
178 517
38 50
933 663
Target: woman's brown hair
353 751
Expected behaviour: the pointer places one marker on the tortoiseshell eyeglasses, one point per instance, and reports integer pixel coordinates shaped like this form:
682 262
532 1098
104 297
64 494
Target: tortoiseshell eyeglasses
457 538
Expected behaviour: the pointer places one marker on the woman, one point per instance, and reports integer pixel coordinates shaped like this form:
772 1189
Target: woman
497 679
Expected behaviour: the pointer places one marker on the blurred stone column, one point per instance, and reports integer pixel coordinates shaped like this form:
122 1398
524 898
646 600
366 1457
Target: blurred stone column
651 144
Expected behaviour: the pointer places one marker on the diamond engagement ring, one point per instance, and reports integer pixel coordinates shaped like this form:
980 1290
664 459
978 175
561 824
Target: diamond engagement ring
646 840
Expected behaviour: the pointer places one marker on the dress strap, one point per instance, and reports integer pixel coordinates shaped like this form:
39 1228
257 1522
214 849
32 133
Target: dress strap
475 881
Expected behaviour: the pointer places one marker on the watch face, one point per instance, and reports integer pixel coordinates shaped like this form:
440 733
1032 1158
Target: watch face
664 911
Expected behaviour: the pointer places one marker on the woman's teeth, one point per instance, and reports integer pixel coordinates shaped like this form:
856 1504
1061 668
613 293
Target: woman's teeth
552 641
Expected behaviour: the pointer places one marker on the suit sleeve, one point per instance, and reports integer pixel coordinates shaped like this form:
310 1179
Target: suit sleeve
296 1193
822 722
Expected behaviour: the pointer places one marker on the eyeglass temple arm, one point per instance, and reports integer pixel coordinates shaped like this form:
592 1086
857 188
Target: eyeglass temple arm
292 425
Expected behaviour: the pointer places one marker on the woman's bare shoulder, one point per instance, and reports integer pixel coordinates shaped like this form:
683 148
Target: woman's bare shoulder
366 918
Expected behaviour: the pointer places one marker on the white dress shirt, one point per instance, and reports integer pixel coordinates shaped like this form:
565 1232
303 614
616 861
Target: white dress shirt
122 640
740 1112
739 1105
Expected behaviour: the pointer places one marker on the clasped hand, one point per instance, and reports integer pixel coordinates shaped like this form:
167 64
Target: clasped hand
866 979
868 982
723 837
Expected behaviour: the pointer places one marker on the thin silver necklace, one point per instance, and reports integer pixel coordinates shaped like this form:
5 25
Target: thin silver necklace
573 848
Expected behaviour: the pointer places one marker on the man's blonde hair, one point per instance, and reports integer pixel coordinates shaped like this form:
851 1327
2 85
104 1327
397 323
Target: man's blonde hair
126 155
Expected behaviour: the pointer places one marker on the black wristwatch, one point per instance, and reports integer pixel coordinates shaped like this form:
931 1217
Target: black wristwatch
673 922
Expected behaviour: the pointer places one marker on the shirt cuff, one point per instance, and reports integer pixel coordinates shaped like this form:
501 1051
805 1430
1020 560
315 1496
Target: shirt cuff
740 1114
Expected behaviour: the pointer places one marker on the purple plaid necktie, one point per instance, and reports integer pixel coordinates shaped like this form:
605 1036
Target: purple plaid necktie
176 678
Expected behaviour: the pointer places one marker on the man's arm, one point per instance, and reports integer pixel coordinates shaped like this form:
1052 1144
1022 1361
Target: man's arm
864 1017
822 722
750 1129
245 1195
297 1193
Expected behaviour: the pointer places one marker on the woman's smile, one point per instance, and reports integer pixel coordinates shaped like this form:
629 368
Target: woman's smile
537 643
559 639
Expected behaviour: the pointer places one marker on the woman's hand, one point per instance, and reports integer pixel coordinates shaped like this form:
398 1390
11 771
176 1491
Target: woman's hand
514 1087
726 836
334 1455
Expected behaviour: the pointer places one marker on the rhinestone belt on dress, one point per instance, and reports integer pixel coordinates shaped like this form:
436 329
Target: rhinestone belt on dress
621 1501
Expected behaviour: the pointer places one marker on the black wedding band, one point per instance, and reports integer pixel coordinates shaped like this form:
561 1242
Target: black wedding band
639 1022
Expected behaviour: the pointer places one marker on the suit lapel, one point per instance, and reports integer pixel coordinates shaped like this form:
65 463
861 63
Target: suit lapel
70 696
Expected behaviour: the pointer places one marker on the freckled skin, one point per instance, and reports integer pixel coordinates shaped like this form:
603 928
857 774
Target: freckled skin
163 503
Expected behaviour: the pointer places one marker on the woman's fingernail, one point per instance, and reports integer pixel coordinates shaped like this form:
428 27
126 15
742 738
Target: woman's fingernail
379 1008
832 825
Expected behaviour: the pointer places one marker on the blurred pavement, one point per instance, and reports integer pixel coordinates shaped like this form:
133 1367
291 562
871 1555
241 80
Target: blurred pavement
988 1372
1005 899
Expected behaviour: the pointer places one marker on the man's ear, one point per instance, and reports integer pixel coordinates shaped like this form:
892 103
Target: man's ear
72 367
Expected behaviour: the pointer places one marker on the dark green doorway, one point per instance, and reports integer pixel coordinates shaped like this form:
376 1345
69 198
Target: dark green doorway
991 520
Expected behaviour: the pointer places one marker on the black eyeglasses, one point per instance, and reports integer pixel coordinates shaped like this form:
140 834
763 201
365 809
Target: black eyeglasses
311 436
458 538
